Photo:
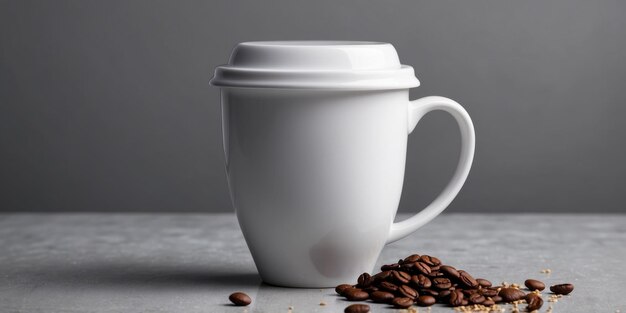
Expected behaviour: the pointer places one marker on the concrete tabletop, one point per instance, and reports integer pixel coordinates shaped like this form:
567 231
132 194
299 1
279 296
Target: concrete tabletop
192 262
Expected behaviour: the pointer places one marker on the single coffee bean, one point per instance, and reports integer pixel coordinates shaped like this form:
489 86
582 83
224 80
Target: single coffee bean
511 294
562 289
407 267
467 279
434 274
408 292
412 258
483 282
435 268
496 299
534 301
389 267
449 271
533 284
402 302
240 299
428 292
421 281
425 300
430 260
388 286
370 289
381 276
488 302
357 308
465 302
382 296
421 268
468 292
456 298
401 277
355 294
444 296
489 292
441 283
364 280
476 298
341 288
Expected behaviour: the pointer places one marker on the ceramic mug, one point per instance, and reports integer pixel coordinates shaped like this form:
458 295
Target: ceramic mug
315 137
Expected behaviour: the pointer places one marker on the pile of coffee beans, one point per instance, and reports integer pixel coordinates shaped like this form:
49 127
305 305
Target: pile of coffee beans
424 280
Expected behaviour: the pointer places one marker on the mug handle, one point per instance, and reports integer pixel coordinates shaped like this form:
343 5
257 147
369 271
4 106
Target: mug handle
417 109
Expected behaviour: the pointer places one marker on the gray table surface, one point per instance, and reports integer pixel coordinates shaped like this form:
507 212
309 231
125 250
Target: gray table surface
192 262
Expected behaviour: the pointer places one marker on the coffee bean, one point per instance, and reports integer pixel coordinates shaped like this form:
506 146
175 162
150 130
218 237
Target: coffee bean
562 289
449 271
408 292
412 258
467 279
430 260
389 267
355 294
370 289
489 292
456 298
496 299
357 308
476 298
402 302
240 299
381 276
488 302
483 282
364 280
401 277
341 288
511 294
435 274
425 300
533 284
422 268
421 281
441 283
534 302
388 286
381 296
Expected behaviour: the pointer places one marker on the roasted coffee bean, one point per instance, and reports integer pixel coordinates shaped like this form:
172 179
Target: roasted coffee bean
444 295
468 292
365 280
402 302
476 298
467 279
357 308
430 260
341 288
465 302
407 266
428 292
355 294
388 286
533 284
401 277
511 294
435 268
496 299
483 282
412 258
534 301
370 289
562 289
425 300
240 299
408 292
389 267
456 298
488 302
382 296
449 271
435 274
441 283
421 281
489 292
421 268
381 276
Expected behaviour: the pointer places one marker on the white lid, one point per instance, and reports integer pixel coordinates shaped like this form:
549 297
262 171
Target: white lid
355 65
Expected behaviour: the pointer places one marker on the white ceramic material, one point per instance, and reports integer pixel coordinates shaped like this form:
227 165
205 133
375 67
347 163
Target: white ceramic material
315 136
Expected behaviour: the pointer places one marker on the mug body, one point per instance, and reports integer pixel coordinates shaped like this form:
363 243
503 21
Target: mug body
315 178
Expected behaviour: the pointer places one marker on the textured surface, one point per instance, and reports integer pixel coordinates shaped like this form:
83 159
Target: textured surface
191 263
105 105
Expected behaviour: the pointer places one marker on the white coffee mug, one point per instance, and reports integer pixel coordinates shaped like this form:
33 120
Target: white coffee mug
315 136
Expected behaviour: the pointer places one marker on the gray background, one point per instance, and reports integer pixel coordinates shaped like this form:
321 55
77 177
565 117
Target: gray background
105 105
